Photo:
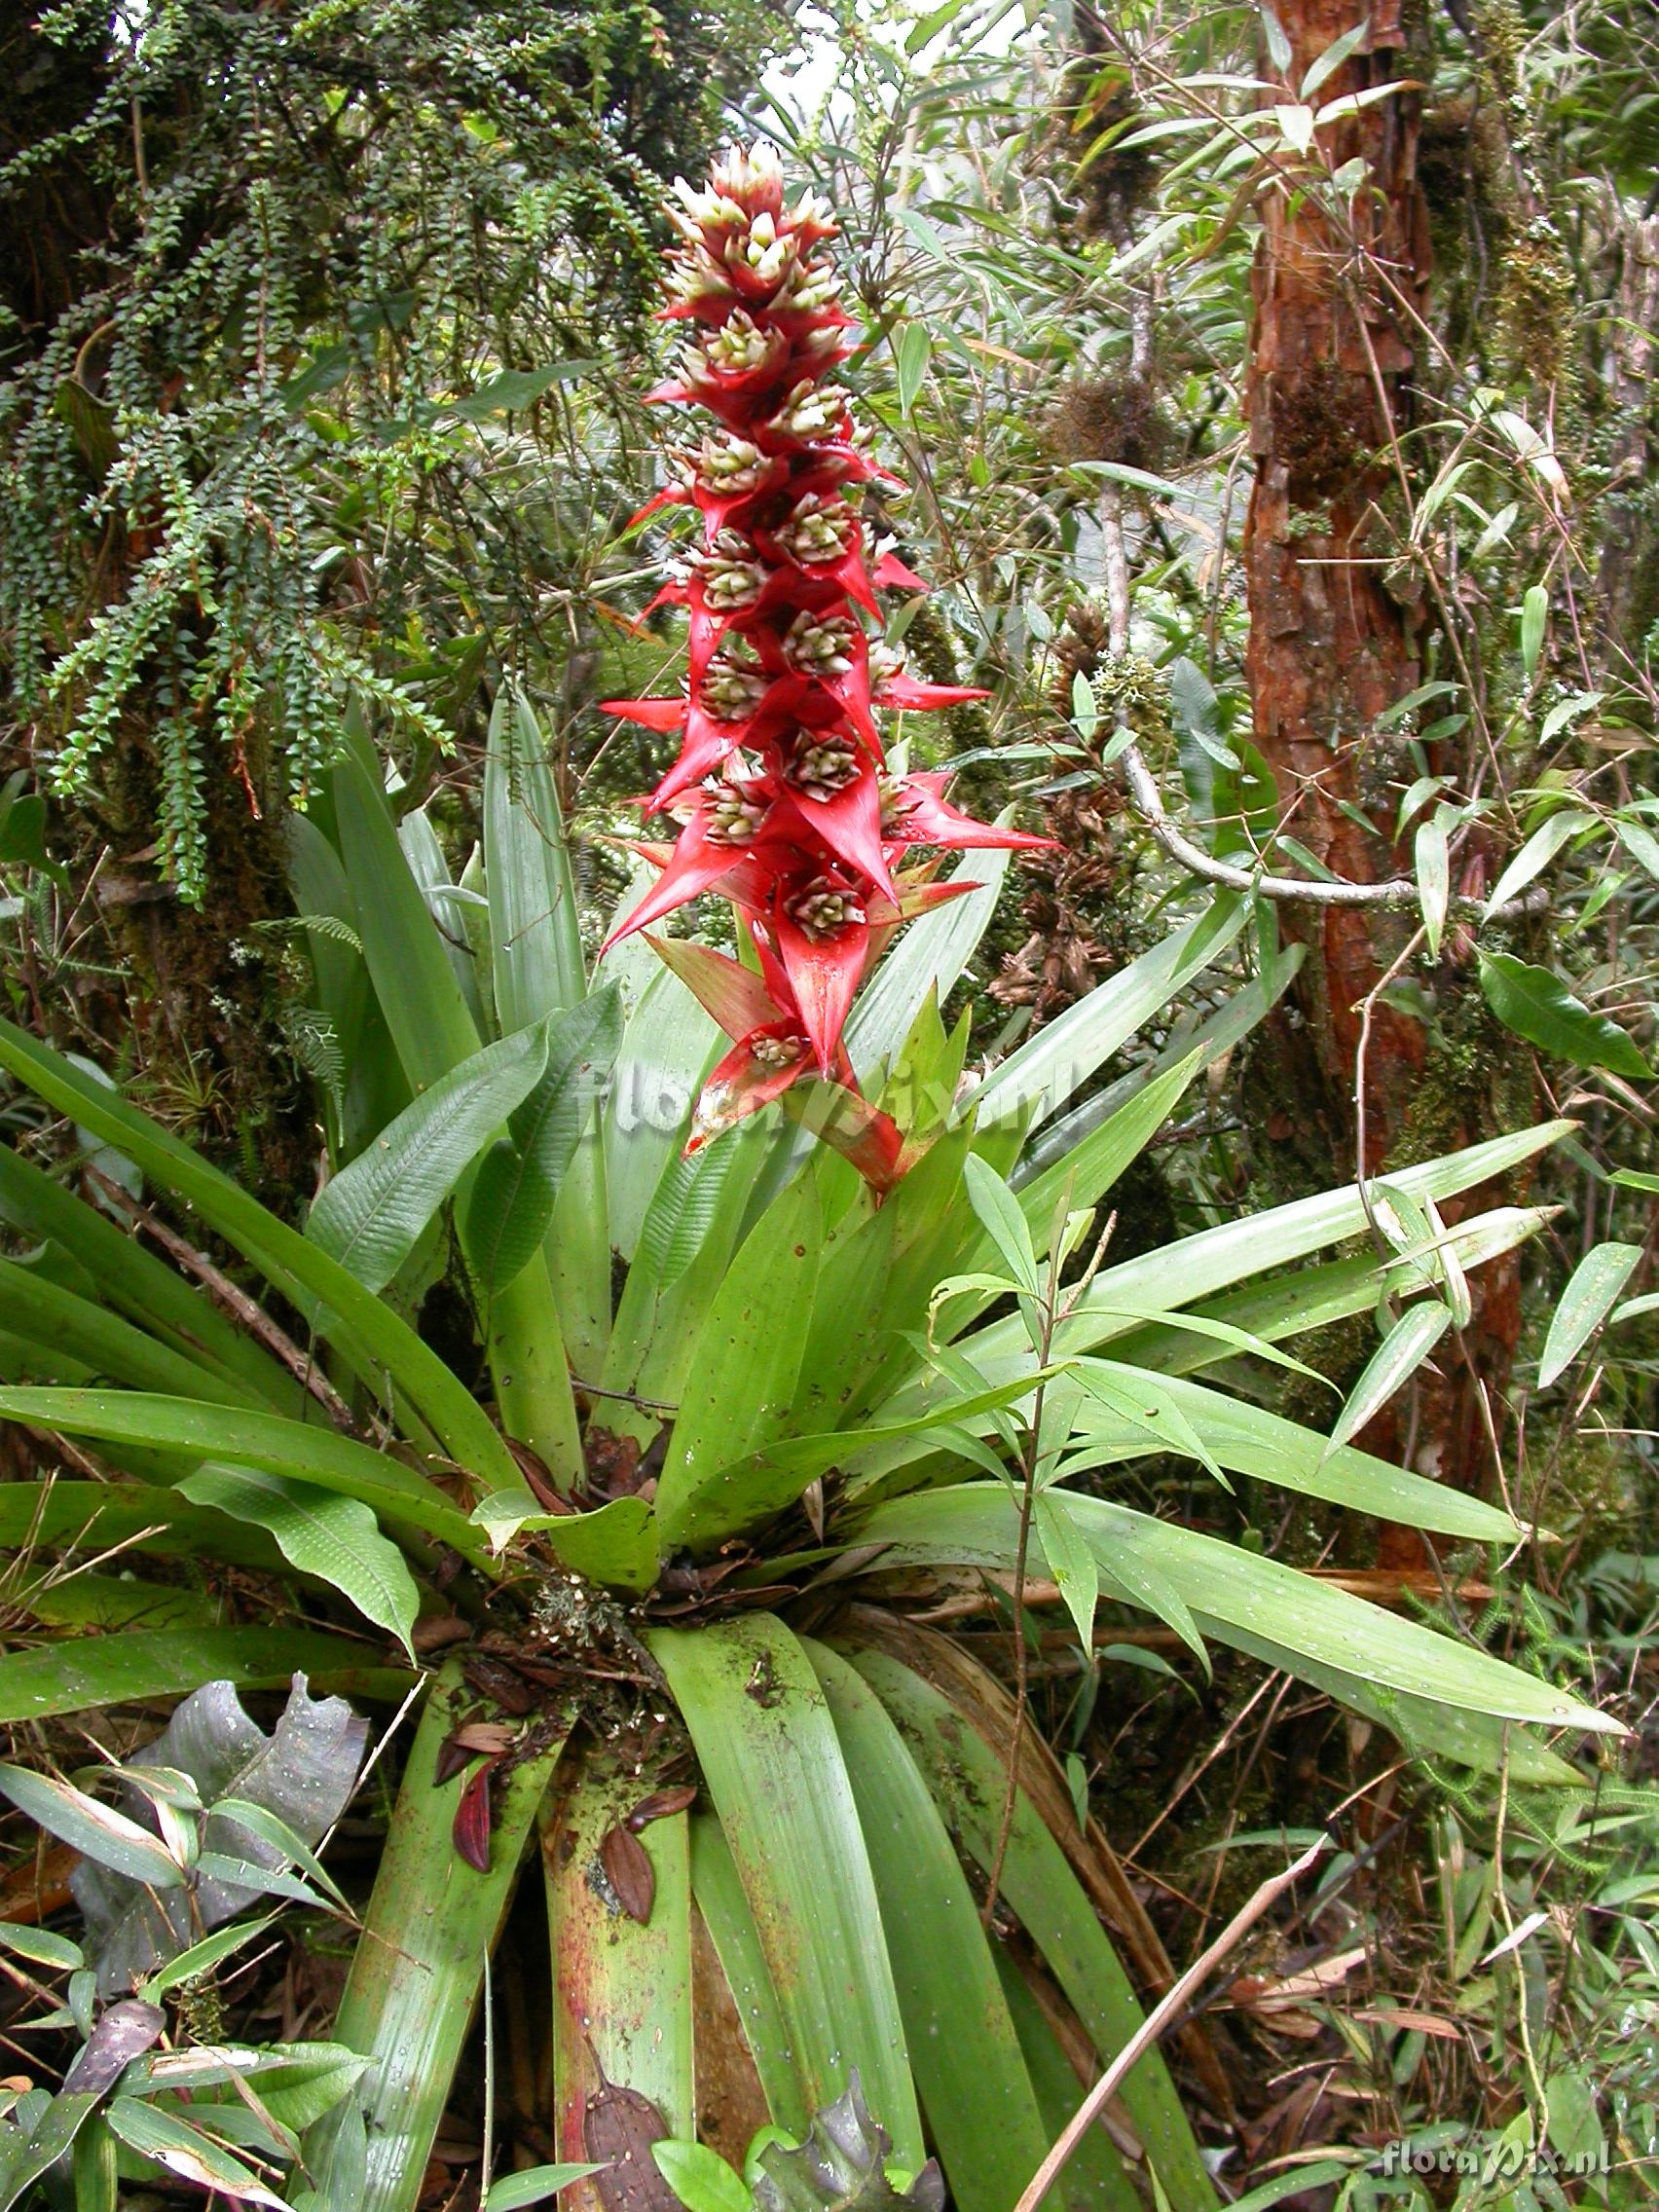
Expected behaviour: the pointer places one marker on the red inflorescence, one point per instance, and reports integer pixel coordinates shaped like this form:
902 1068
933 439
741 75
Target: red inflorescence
780 785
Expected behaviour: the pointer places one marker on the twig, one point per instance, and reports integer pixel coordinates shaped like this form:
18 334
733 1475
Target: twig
1148 799
236 1302
1162 2014
1395 891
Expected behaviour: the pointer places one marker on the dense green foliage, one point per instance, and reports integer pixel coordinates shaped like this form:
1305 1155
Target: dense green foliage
284 362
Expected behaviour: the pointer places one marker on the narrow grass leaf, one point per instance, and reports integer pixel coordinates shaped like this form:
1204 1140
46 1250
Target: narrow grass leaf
97 1832
1004 1223
1071 1562
1390 1367
188 2152
534 2185
1536 1005
1590 1293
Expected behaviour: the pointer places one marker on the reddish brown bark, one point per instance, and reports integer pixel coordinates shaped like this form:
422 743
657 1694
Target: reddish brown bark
1330 646
1334 635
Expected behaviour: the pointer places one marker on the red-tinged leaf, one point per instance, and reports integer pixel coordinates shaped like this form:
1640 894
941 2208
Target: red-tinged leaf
825 973
675 496
124 2031
672 594
734 995
650 713
849 575
473 1820
662 1805
698 863
629 1870
452 1759
890 573
487 1739
926 817
903 690
922 897
740 1084
869 1139
848 821
704 745
438 1631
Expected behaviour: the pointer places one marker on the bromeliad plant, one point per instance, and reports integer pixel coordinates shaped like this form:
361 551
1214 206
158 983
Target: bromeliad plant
728 1411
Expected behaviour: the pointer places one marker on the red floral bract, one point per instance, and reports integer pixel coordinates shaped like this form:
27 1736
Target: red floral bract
780 785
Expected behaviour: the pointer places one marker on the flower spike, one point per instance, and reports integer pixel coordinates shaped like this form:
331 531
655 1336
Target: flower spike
781 786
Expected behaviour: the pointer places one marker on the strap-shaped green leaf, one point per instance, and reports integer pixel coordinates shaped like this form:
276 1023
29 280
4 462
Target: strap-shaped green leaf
376 1341
1064 1054
1229 1589
65 1326
725 1913
1212 1260
967 1778
1247 1439
409 966
1391 1367
534 927
369 1216
96 1830
975 2094
773 1766
78 1674
416 1973
743 1374
196 1431
511 1204
131 1280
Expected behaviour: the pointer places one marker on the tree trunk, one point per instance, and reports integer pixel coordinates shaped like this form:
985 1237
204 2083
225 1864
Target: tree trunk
1335 621
1331 647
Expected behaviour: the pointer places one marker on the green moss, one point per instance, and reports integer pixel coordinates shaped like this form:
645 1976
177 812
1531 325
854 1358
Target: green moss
1475 1078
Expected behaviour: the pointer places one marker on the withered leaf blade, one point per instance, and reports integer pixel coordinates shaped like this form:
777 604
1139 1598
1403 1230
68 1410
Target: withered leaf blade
125 2032
438 1631
628 1869
618 2128
472 1820
661 1805
486 1738
452 1755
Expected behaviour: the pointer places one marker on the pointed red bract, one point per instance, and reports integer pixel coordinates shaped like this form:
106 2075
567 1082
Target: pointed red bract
780 784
